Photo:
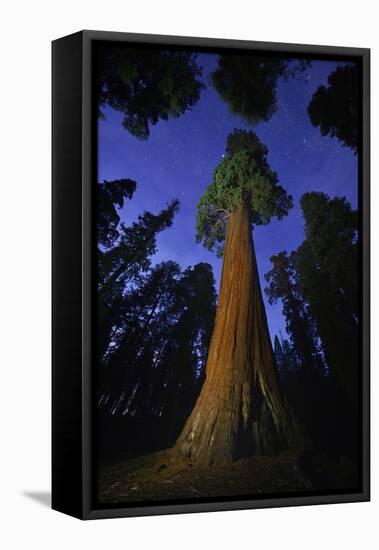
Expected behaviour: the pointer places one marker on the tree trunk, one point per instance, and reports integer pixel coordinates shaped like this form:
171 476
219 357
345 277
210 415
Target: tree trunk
240 410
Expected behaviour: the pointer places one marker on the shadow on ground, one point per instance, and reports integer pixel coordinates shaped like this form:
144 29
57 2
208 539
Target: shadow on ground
41 497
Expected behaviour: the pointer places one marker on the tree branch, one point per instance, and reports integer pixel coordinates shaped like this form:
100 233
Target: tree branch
220 210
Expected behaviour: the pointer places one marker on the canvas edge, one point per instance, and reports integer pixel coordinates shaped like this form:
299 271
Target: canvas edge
88 510
66 464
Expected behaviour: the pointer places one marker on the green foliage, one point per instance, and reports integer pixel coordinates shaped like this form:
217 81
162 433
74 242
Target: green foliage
243 177
247 83
335 108
111 194
146 85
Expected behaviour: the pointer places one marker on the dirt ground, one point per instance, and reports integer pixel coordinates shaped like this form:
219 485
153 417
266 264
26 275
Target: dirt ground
165 475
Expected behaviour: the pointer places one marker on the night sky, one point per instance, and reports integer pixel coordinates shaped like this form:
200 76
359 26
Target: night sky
180 155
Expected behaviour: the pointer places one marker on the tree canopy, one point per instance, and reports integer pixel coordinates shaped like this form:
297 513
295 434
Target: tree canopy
335 107
243 177
146 85
247 83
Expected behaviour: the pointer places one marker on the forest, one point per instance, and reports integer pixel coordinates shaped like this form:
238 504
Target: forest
226 364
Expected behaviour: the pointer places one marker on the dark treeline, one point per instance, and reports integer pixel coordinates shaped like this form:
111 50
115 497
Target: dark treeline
154 322
318 287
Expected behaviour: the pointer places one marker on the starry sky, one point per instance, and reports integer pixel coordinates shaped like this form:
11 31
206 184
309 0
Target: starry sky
180 155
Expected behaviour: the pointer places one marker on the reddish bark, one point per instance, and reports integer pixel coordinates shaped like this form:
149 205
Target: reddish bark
240 410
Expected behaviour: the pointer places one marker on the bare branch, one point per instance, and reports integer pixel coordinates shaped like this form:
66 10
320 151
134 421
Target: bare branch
220 210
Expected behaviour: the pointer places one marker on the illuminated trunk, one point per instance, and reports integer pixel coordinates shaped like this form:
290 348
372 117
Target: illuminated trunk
240 410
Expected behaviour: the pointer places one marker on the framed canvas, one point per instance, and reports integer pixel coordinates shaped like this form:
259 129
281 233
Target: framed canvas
210 275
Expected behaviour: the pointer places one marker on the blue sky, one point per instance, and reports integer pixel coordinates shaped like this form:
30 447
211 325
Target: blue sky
180 155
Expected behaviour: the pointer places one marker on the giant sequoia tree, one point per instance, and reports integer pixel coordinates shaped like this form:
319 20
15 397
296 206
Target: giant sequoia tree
240 409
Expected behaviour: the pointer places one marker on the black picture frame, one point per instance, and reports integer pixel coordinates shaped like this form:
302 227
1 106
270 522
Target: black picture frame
72 272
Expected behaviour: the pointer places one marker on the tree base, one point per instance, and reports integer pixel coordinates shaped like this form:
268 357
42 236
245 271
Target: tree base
169 475
241 410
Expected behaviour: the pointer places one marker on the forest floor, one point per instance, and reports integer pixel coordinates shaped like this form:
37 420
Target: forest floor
164 475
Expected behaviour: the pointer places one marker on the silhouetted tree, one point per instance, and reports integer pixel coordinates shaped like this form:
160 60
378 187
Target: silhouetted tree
318 285
328 278
285 357
151 307
123 264
279 355
240 408
157 354
154 323
300 326
177 374
146 84
335 107
110 196
247 83
136 244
